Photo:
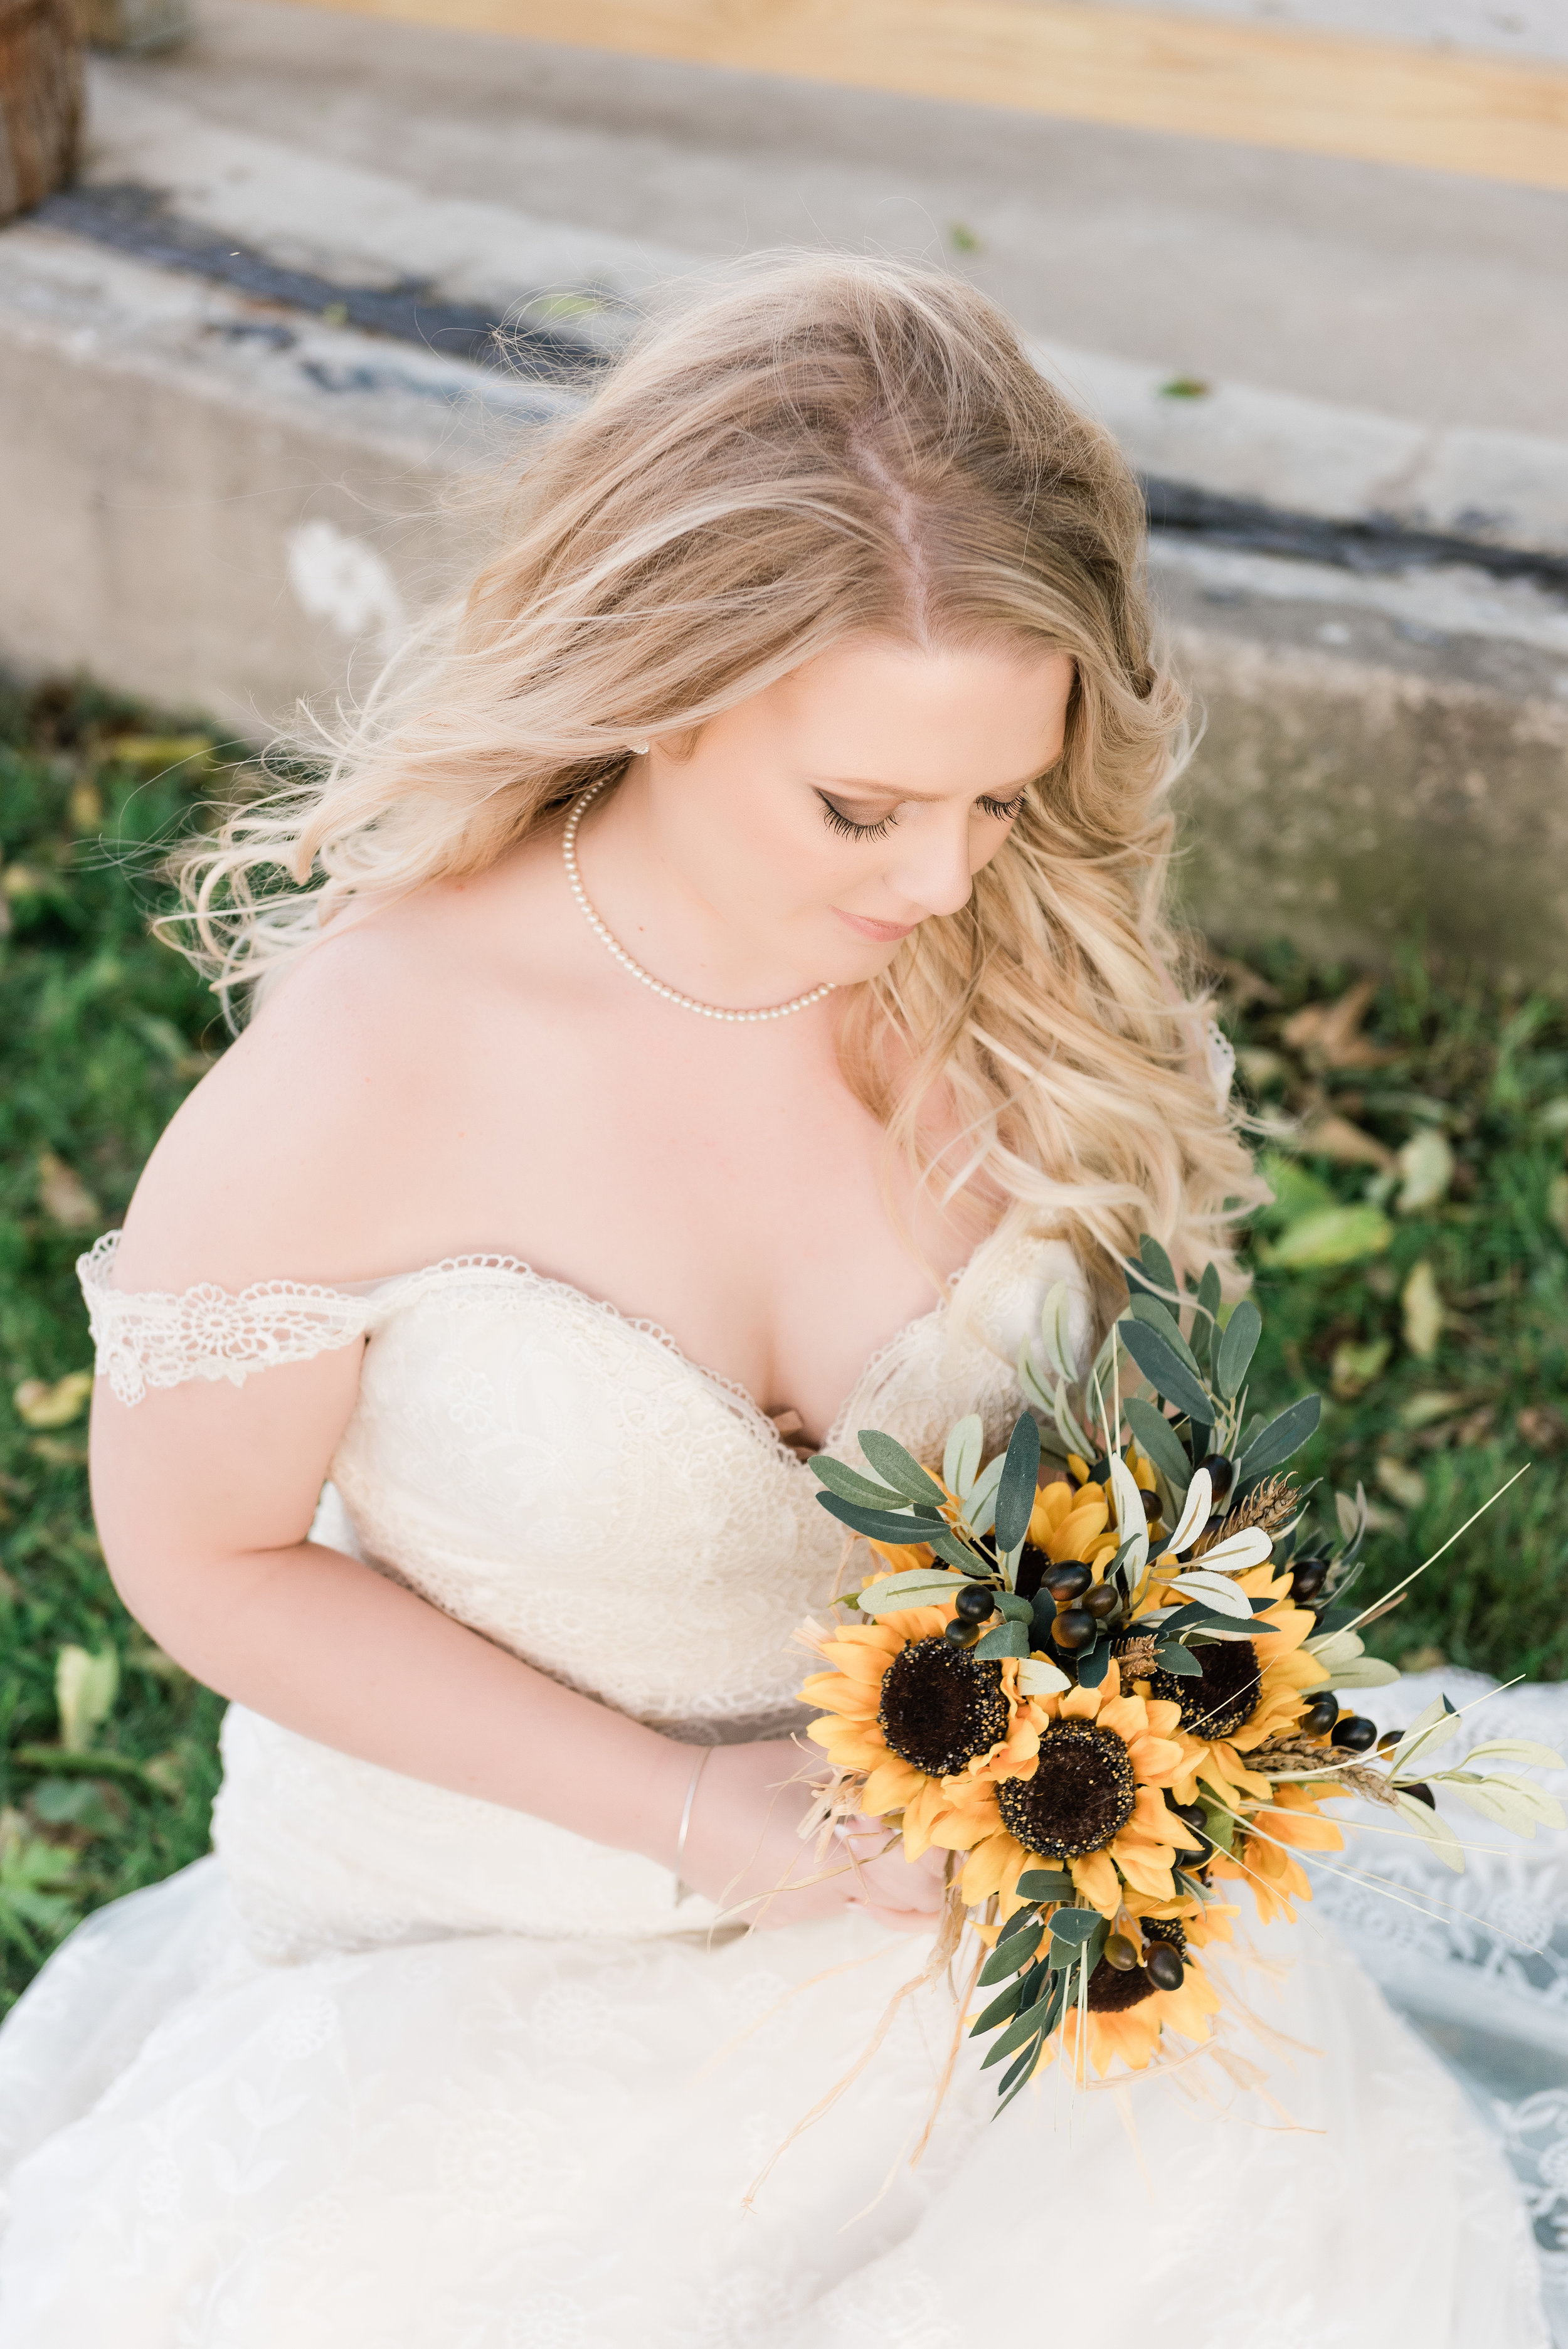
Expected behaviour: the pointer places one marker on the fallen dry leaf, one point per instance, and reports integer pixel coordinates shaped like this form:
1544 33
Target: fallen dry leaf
1423 1311
1327 1135
1327 1035
65 1198
40 1405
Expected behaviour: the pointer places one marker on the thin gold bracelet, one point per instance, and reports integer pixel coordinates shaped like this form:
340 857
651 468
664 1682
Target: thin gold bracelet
681 1889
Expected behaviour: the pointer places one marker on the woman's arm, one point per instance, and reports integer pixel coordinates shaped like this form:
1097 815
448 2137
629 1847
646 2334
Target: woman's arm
204 1495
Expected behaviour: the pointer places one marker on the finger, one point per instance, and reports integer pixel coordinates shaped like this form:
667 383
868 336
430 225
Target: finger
896 1921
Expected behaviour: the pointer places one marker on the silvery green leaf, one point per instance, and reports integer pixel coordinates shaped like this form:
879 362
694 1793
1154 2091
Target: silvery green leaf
1075 1926
1006 1639
1163 1322
1219 1592
1131 1525
961 1460
1008 1603
1432 1830
1273 1445
851 1485
1349 1514
1196 1511
896 1467
1363 1672
948 1546
879 1525
1175 1658
1163 1368
1093 1663
1056 1331
1206 1332
1037 1677
1238 1553
1044 1884
1237 1349
1205 1632
1101 1368
1034 1390
1511 1802
1159 1442
1426 1733
1332 1648
1155 1265
1068 1429
1516 1749
980 1508
1017 1485
881 1598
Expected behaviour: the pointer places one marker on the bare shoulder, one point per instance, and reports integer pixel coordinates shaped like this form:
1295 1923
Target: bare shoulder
297 1155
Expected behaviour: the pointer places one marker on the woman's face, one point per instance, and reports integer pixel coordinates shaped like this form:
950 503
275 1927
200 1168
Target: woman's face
826 818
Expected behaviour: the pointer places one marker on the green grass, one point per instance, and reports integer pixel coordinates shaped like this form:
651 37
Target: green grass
102 1030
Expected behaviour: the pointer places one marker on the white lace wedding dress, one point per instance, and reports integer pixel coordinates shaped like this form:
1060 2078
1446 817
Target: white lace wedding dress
397 2069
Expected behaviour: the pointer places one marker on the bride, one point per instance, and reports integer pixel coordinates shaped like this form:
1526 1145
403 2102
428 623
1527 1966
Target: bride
709 1001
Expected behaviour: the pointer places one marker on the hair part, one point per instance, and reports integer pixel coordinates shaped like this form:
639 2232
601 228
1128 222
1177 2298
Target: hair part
827 447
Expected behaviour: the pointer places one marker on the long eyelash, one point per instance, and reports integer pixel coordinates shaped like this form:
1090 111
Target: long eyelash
849 830
1004 810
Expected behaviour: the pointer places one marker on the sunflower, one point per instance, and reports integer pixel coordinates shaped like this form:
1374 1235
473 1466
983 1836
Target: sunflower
1259 1854
1249 1690
1125 2013
1077 1782
905 1706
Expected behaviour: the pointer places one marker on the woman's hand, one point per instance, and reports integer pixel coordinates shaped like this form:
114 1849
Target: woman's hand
744 1851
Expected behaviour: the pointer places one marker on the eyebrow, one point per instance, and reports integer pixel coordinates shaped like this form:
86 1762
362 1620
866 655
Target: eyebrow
852 784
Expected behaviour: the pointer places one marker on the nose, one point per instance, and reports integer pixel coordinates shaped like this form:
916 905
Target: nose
931 868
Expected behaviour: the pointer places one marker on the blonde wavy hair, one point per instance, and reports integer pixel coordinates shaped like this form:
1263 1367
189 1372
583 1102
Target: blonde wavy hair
824 447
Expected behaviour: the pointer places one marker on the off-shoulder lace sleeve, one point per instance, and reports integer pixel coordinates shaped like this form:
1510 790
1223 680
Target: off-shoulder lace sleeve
154 1339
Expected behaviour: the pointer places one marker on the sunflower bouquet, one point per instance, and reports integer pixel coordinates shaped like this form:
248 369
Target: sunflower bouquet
1107 1670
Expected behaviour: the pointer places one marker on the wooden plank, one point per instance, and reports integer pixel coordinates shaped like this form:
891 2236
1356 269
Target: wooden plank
1321 94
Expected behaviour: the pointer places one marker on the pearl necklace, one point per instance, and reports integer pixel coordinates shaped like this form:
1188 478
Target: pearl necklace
670 994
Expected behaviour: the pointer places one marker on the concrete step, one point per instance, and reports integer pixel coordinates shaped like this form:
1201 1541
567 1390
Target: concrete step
243 395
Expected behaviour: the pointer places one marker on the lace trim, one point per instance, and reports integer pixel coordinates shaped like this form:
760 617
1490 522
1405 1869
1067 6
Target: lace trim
153 1338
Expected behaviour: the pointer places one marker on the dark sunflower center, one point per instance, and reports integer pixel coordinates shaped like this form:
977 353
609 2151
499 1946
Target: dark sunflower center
1111 1993
939 1708
1223 1698
1080 1795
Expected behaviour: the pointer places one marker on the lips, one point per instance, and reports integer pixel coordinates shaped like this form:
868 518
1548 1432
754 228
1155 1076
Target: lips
884 933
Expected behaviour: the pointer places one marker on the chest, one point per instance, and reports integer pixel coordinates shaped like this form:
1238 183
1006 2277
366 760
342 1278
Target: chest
729 1185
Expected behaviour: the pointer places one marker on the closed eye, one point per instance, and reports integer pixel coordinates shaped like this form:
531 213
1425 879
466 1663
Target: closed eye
1000 812
848 829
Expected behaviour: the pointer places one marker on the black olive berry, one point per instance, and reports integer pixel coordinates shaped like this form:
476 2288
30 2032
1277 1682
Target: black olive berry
1423 1793
973 1604
1121 1953
1065 1582
1390 1739
1308 1577
1191 1815
1162 1964
958 1631
1150 1508
1074 1627
1221 1473
1319 1717
1356 1733
1101 1601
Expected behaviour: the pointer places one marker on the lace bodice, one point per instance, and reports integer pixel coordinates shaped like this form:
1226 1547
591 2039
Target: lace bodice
567 1482
564 1479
